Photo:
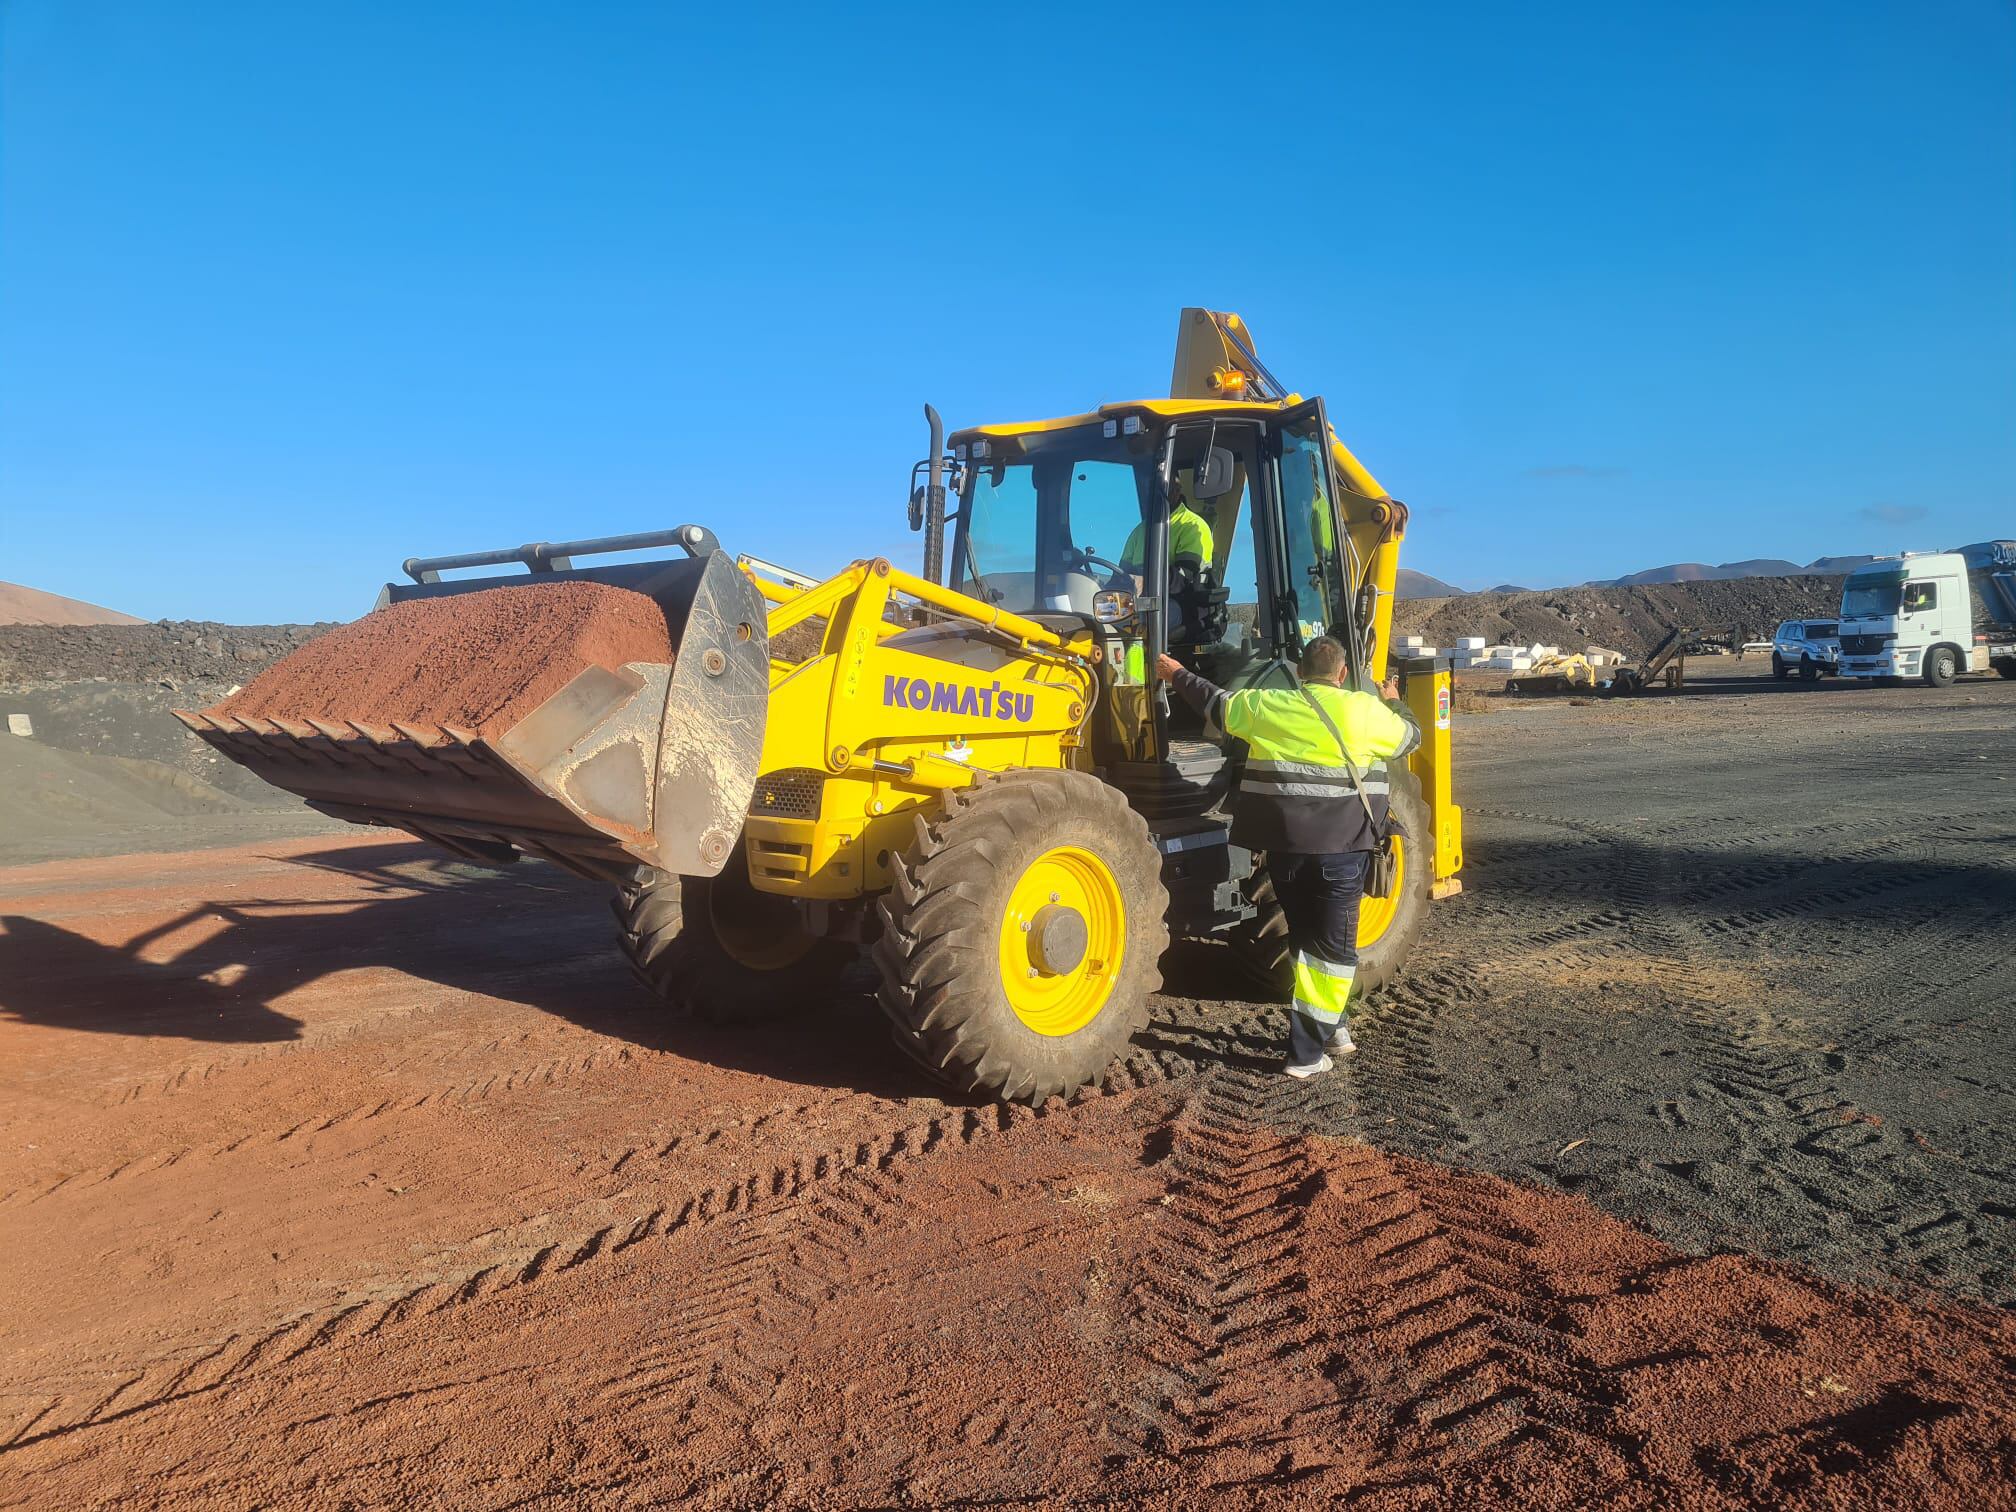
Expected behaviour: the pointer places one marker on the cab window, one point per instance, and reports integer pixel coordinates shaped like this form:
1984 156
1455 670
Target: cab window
1308 524
1102 514
1919 596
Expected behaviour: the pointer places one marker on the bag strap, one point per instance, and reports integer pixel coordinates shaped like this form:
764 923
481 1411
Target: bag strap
1357 778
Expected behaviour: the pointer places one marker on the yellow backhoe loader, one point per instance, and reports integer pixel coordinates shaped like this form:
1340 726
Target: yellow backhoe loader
961 769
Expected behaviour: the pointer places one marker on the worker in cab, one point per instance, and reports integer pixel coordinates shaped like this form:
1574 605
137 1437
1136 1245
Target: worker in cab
1189 536
1190 542
1314 798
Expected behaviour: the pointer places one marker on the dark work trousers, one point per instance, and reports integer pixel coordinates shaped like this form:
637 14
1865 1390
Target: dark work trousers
1319 894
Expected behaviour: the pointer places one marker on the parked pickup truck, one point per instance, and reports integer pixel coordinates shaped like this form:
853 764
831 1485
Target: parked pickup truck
1932 614
1807 646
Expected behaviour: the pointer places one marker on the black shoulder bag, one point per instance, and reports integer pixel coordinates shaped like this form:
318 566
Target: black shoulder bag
1382 870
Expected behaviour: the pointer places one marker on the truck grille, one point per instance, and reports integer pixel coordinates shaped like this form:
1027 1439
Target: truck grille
792 793
1865 645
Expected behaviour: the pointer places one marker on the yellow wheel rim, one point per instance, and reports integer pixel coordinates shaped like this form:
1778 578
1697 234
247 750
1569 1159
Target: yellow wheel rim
1062 939
1376 915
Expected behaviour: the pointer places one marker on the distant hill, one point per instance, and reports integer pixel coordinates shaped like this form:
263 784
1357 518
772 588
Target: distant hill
31 606
1508 588
1409 584
1701 572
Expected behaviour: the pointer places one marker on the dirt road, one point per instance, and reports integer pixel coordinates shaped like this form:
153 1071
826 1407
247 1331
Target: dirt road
1675 1169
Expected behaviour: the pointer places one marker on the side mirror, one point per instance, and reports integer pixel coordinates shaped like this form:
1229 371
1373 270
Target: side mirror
1113 606
1214 474
917 497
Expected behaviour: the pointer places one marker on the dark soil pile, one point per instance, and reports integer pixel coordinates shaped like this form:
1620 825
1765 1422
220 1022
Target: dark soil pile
171 651
480 661
1631 619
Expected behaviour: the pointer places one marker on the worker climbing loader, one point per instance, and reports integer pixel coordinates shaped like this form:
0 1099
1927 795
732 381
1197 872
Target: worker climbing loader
960 770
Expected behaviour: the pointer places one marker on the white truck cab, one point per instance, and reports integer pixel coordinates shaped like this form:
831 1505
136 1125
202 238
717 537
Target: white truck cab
1932 614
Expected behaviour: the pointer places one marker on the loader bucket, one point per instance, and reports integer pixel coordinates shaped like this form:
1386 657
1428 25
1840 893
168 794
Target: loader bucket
604 718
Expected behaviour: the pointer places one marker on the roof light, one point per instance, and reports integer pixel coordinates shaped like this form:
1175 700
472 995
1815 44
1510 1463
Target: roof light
959 452
979 450
1228 381
1131 425
1110 428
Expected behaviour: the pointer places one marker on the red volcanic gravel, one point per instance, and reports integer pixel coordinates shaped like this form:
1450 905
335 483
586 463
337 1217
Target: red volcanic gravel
480 661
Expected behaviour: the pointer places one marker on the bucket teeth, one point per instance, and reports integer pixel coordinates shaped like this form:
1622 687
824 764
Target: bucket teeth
424 736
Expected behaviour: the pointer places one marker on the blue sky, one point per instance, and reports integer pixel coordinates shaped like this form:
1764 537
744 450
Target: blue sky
290 292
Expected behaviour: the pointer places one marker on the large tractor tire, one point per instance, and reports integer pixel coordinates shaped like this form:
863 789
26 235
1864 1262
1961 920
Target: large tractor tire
721 950
1023 934
1387 927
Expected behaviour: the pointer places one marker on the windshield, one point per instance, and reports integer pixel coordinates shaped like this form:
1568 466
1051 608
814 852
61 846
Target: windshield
1871 594
1049 519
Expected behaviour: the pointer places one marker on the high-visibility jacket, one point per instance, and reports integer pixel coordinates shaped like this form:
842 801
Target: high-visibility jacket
1297 794
1189 535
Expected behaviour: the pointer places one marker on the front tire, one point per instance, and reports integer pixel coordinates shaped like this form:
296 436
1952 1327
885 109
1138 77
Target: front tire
1941 666
1023 935
1809 669
1387 927
1778 668
719 949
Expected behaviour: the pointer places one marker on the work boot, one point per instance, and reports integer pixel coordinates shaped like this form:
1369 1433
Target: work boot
1341 1042
1303 1070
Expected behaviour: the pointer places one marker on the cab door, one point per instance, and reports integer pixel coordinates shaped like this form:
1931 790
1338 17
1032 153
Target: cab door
1306 557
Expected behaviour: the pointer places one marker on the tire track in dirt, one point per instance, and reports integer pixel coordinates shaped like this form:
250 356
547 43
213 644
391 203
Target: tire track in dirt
560 1071
1424 1293
1807 1144
1221 1313
524 1254
1399 1077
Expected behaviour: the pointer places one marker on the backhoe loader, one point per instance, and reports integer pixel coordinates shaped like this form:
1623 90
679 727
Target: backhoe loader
961 770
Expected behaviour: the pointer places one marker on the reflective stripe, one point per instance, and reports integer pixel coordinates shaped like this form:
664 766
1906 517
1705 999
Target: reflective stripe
1303 788
1325 1016
1300 768
1344 969
1322 991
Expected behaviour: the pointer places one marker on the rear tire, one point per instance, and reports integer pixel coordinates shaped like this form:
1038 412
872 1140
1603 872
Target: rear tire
1941 666
1260 945
2007 666
717 948
968 990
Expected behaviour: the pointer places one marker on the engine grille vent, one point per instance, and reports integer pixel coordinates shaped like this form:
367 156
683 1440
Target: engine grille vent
1865 645
792 793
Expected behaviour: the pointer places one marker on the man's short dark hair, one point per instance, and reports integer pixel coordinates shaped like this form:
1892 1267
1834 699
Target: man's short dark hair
1323 660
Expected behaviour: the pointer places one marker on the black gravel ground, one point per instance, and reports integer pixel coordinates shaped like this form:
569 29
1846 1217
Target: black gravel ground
1735 964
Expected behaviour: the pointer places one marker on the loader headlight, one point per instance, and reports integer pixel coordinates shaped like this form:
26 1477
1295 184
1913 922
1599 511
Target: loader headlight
1113 606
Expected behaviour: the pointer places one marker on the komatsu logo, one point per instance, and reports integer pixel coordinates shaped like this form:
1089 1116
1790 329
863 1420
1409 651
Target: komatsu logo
968 702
